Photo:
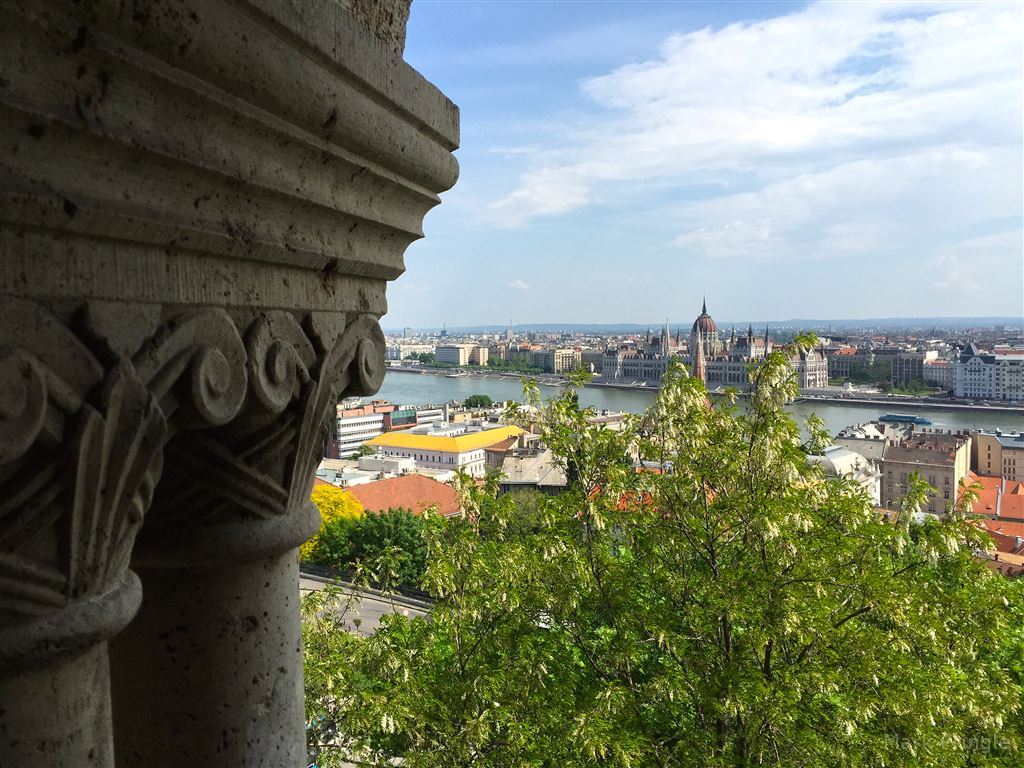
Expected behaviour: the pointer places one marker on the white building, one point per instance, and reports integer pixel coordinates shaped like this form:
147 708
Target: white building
349 473
983 376
354 426
940 373
839 462
431 414
445 446
404 351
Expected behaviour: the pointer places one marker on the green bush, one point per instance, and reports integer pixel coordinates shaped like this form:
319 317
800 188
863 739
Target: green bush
391 545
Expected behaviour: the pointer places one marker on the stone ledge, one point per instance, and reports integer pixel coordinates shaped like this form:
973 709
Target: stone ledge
280 134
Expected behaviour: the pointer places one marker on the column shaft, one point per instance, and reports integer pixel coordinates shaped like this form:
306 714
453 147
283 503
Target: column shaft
210 671
58 716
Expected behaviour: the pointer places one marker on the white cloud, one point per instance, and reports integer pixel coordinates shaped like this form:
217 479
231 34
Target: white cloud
519 284
883 205
968 265
850 122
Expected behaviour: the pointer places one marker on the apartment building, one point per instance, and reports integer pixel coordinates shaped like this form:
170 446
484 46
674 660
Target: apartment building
355 425
942 460
998 453
453 354
479 355
910 366
939 373
555 360
984 376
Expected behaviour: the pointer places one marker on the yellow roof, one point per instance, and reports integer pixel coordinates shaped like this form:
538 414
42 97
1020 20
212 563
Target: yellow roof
460 444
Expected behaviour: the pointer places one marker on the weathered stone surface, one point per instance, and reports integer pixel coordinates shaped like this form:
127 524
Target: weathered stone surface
201 204
228 637
63 716
386 20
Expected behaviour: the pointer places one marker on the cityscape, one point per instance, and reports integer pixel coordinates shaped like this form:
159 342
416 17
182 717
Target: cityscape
975 374
500 383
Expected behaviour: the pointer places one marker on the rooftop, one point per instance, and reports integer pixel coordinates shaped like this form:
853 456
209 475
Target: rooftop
415 493
469 441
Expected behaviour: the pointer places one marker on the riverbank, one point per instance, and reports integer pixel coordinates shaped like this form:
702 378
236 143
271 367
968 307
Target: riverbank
912 403
414 389
551 379
875 401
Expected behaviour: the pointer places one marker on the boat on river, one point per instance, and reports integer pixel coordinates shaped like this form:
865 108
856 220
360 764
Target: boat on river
904 418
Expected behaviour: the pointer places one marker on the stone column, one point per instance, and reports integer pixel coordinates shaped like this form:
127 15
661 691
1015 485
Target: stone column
201 204
80 451
218 634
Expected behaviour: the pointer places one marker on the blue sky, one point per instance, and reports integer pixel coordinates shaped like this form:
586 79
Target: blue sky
620 159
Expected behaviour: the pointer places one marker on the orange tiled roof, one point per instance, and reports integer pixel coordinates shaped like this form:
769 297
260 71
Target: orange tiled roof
412 492
1005 543
998 498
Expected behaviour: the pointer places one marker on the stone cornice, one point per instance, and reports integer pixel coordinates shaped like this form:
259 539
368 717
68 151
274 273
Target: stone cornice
280 135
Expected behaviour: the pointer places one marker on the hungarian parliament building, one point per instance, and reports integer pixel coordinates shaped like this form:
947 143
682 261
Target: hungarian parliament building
718 362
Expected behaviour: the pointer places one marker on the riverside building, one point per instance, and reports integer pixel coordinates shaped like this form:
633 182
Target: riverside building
445 446
985 376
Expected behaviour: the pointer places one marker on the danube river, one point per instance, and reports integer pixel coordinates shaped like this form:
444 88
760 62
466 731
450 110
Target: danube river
422 389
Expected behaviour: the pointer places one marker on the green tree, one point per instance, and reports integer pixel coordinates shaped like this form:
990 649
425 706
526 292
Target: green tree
364 450
390 545
478 401
337 507
728 606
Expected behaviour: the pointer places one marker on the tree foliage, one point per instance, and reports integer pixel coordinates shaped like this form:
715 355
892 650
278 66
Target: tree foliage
724 606
478 401
878 372
390 545
336 506
517 363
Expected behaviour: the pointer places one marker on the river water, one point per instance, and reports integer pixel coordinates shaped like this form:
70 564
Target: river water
422 389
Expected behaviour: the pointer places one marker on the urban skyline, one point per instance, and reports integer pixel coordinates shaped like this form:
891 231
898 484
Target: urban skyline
793 323
841 158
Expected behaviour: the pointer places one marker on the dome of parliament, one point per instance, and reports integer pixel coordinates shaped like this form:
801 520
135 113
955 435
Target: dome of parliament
704 323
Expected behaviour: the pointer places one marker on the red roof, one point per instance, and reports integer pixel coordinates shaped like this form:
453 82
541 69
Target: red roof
1011 544
412 492
998 498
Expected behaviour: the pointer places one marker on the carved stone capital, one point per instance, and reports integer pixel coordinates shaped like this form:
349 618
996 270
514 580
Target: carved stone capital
80 453
240 490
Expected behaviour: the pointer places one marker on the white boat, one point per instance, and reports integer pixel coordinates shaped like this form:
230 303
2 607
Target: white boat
456 375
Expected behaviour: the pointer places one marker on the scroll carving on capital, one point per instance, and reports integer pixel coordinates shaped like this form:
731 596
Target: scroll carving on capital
260 464
228 414
80 453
